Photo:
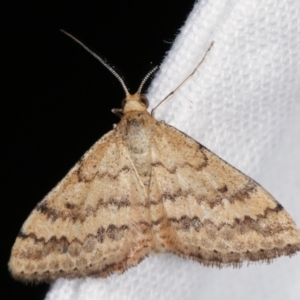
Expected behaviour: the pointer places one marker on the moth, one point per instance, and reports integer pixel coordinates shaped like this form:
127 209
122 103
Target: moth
147 187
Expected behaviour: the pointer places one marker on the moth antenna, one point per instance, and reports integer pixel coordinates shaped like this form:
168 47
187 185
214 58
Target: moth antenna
146 78
99 59
184 81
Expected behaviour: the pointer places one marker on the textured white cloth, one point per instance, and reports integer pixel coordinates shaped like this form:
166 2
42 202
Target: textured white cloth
243 103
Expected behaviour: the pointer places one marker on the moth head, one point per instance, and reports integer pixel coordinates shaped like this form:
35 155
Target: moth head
136 97
135 102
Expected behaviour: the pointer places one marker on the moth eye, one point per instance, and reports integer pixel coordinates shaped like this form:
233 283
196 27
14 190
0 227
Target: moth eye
123 102
145 101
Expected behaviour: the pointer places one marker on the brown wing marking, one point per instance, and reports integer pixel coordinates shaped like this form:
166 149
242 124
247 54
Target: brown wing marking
89 224
205 209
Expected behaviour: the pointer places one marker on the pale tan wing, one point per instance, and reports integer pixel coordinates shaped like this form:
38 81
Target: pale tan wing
89 224
207 210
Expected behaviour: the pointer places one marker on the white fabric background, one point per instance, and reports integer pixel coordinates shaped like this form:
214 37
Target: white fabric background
243 104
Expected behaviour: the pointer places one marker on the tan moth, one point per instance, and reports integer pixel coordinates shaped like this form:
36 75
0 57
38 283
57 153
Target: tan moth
147 187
